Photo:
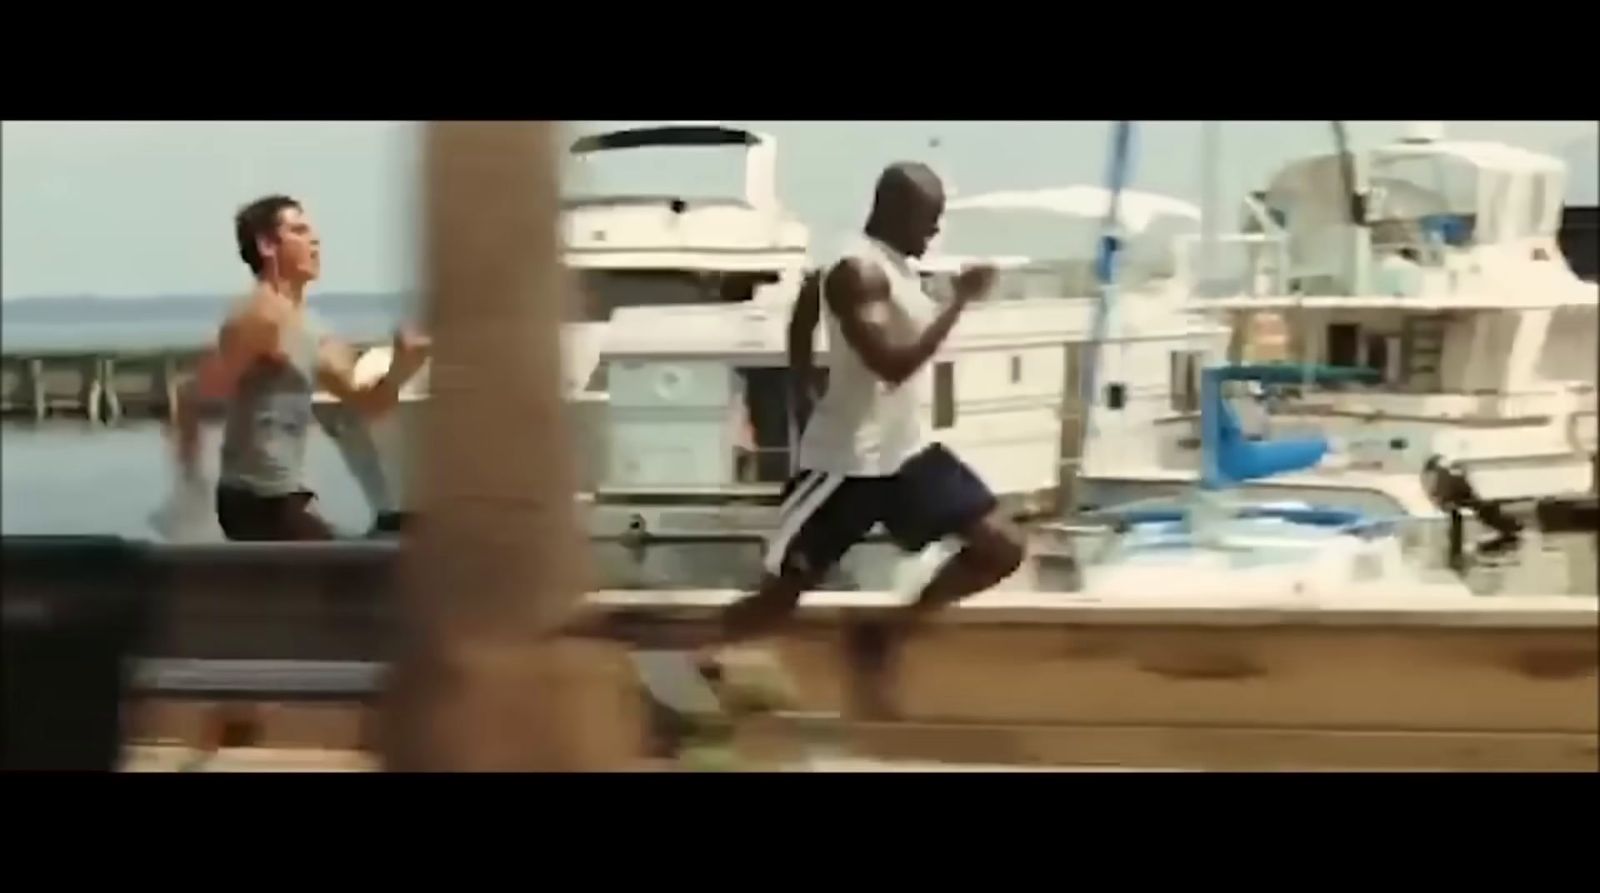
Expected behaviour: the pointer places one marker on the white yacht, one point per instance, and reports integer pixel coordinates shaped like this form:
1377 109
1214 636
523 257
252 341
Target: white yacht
1435 264
633 250
661 249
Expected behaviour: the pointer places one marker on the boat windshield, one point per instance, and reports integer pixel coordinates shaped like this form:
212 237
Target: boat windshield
686 172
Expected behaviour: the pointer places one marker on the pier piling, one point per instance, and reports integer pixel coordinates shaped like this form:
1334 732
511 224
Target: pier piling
36 387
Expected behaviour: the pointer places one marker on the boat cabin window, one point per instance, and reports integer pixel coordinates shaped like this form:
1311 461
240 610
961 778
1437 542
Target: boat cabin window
691 172
1375 356
765 437
1344 344
1184 380
604 292
1356 346
761 451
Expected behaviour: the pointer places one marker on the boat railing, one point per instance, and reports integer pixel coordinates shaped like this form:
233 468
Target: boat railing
1444 407
751 472
763 464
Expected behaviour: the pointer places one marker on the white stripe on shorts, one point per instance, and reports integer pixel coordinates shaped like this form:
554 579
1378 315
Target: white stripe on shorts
797 510
802 486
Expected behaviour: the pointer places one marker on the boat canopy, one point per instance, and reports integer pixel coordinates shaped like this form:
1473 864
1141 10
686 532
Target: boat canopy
1465 192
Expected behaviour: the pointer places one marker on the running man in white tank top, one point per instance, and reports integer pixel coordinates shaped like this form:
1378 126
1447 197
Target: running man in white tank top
867 455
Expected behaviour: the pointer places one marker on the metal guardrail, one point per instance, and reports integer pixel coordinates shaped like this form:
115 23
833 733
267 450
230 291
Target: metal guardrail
355 680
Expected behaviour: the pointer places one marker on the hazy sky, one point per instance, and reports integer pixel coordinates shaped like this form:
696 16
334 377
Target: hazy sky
144 208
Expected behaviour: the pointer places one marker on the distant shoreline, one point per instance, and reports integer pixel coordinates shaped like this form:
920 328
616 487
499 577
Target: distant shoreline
194 299
171 321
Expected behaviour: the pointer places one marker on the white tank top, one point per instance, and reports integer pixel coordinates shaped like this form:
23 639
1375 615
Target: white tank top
864 426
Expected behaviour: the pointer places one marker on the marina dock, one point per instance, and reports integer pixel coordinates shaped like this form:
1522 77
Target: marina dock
101 385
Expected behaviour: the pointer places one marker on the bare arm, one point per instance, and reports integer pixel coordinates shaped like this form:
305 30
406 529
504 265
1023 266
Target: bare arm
802 342
336 367
858 294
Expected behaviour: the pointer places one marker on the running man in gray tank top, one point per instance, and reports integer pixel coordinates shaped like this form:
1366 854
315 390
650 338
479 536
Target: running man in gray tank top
271 356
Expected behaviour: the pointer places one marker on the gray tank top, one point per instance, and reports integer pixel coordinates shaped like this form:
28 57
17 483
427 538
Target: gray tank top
269 418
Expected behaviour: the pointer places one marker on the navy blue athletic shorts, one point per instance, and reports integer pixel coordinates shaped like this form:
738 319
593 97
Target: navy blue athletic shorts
250 517
933 495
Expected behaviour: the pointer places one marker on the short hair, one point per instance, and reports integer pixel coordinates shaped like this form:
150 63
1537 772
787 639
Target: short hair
257 219
905 177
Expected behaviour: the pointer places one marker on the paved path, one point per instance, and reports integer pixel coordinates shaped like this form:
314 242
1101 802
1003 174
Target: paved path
250 759
247 759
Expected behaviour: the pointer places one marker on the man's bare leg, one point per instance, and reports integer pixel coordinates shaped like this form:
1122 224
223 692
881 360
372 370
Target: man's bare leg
757 614
736 683
991 553
764 611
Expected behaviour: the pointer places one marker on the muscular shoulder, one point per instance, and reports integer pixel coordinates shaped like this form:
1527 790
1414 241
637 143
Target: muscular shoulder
854 281
253 324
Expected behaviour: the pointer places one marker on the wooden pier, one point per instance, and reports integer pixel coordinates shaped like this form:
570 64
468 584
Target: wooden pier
1375 681
104 386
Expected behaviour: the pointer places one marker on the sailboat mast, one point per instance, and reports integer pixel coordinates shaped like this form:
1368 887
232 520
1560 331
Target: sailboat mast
1107 258
1210 211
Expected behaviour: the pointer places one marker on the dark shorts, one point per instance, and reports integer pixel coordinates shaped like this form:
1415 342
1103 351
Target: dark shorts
246 516
932 496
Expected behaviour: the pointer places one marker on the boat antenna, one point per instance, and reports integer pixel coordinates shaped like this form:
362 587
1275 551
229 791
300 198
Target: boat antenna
1356 207
1208 208
1355 210
940 161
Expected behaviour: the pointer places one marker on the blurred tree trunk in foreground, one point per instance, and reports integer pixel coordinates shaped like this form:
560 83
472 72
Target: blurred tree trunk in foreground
495 559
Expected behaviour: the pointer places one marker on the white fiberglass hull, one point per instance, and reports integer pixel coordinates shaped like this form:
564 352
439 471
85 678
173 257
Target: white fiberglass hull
1256 557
